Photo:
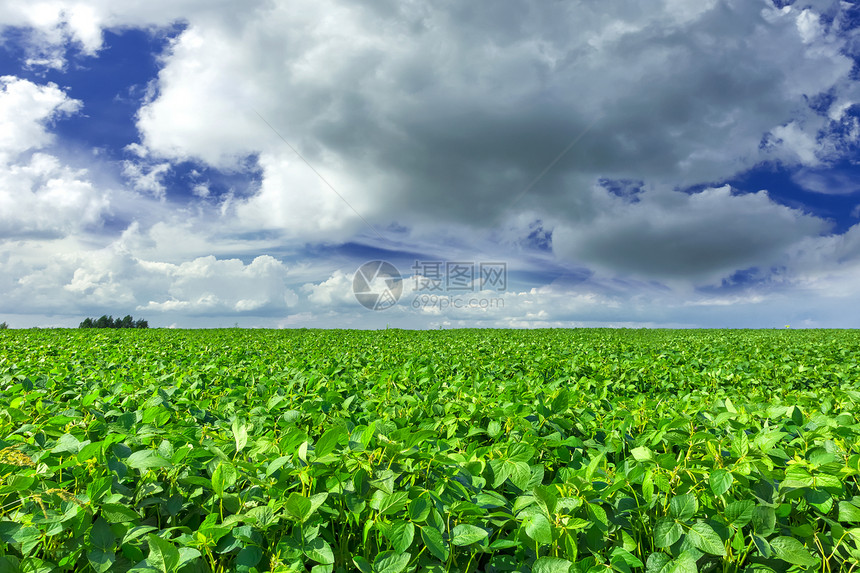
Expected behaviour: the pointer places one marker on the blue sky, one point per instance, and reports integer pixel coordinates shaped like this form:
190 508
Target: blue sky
695 164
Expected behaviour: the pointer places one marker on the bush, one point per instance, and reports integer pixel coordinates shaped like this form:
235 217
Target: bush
3 326
106 321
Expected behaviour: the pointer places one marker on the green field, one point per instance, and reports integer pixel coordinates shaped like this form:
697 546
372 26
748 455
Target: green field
390 451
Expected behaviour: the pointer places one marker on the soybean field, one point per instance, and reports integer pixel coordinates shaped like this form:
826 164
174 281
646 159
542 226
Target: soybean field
542 451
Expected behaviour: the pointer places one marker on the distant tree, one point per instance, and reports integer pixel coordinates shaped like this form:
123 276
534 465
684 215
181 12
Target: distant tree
3 326
106 321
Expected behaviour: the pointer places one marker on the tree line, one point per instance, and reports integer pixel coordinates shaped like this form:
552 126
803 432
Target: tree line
106 321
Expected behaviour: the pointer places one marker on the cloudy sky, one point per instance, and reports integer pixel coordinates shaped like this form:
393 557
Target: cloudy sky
523 163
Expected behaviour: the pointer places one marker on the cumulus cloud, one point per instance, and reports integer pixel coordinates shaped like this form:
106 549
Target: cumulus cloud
44 197
210 286
39 194
336 290
26 109
460 107
113 279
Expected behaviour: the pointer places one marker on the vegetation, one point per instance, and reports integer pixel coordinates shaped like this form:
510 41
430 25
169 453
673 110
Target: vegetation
390 451
3 326
109 322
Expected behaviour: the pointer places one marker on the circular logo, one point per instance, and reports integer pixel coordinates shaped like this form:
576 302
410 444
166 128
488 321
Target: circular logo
377 285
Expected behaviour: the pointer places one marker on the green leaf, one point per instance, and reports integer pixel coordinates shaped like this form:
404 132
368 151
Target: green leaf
298 507
791 550
223 478
249 556
501 471
186 555
320 551
561 402
739 513
362 564
118 513
101 536
848 512
277 464
392 503
400 534
658 563
796 477
163 556
35 565
538 528
551 565
621 557
240 433
546 499
683 507
662 563
667 532
685 563
317 500
391 562
67 443
721 480
146 459
703 537
763 520
466 534
434 542
330 440
642 454
520 452
100 560
593 465
419 509
521 475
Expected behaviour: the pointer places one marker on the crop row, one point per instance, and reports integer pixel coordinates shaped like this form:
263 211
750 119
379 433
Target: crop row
396 451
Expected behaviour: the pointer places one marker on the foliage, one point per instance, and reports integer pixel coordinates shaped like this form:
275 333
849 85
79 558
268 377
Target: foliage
390 451
106 321
3 326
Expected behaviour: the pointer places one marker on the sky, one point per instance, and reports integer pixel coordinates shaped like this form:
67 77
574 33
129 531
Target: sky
417 164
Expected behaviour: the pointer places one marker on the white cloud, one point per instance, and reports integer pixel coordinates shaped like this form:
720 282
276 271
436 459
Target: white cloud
43 196
208 285
114 280
337 290
147 178
795 143
809 26
25 110
38 194
828 182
